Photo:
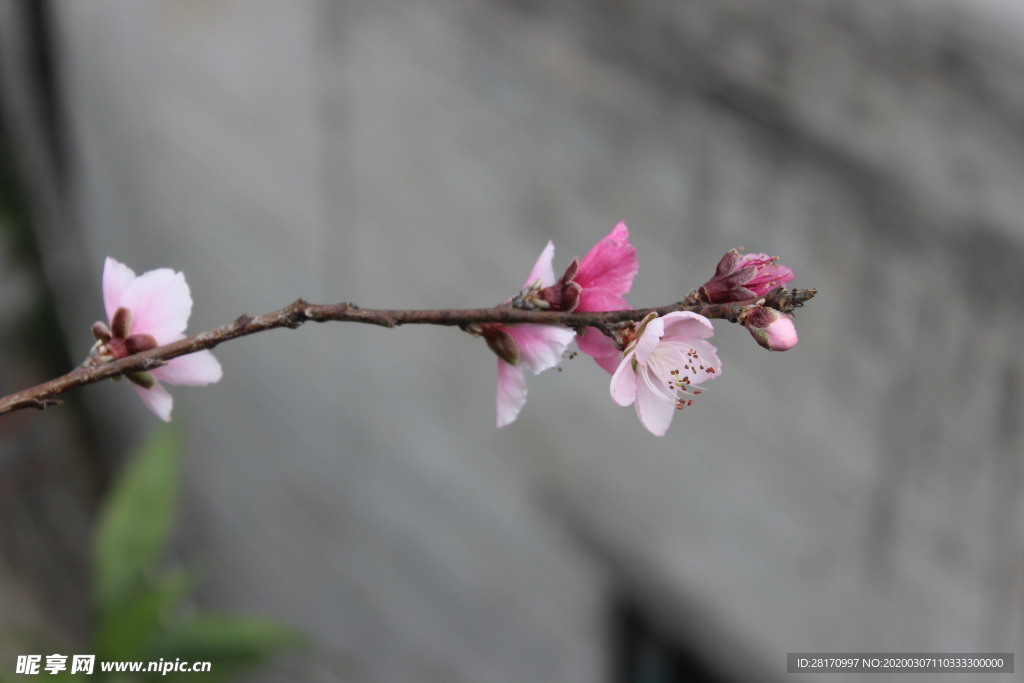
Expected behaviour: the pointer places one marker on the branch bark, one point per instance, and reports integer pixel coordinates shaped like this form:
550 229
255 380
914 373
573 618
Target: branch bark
300 311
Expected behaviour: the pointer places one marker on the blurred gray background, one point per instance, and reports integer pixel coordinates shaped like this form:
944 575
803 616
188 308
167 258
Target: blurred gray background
862 492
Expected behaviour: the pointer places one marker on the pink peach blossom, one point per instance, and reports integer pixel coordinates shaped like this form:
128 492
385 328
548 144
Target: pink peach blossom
146 311
605 275
541 348
669 357
527 345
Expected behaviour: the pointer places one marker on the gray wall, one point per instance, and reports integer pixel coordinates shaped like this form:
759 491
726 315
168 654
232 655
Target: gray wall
859 493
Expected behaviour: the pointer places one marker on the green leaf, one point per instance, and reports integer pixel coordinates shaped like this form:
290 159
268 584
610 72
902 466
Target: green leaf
126 631
136 520
231 644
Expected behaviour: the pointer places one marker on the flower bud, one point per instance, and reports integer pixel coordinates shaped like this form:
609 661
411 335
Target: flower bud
137 343
501 342
121 324
744 276
141 378
101 332
564 295
771 329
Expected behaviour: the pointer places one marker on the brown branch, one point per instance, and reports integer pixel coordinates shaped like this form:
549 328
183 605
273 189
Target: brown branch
300 311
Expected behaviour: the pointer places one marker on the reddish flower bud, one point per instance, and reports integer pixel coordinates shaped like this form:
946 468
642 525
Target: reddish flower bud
101 332
121 323
744 276
564 295
771 329
140 342
501 342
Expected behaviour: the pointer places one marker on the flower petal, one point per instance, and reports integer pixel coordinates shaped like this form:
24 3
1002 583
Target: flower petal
623 386
542 269
117 278
650 338
653 410
600 299
709 358
782 334
607 271
767 273
160 303
511 392
196 369
599 347
157 400
687 324
540 346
